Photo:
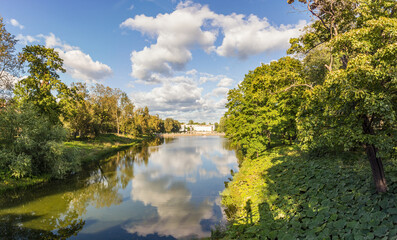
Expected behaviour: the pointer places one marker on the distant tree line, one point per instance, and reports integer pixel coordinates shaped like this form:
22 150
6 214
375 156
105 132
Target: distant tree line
191 122
101 109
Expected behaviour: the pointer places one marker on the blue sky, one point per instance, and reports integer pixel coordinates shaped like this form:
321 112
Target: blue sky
179 58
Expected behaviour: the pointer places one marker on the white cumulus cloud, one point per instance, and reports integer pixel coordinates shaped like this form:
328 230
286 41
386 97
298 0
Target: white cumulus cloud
26 39
193 25
15 23
176 34
77 63
246 36
220 91
225 82
170 96
183 98
177 216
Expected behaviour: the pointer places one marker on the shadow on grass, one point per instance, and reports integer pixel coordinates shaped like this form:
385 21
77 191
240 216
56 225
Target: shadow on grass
327 197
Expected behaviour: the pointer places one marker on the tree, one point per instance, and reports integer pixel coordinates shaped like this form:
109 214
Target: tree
168 125
78 114
332 18
141 124
42 82
357 104
221 125
264 106
216 126
105 102
171 125
9 65
127 113
156 124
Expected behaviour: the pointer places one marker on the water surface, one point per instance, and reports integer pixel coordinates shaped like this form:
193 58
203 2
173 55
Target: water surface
163 190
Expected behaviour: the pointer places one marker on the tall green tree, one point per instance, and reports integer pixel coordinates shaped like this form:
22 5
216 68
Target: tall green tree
141 121
156 124
357 103
126 113
264 106
78 114
171 125
105 102
42 87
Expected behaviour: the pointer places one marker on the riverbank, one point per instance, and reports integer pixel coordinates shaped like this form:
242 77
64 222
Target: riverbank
100 147
188 134
87 150
290 195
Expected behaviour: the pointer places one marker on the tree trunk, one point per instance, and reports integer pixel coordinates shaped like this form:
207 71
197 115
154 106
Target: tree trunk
378 172
117 122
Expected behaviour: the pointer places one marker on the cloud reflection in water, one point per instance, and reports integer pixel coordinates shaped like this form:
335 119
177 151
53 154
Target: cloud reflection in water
176 183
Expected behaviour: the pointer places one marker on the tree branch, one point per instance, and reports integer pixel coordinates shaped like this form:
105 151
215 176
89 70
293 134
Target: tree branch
293 86
316 15
318 44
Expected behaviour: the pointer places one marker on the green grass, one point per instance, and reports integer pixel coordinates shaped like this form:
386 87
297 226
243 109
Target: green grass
101 146
87 150
286 194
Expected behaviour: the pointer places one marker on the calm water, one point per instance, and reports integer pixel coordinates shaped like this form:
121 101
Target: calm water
168 189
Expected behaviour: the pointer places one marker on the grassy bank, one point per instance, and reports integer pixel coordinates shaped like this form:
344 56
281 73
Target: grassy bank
101 146
87 150
285 194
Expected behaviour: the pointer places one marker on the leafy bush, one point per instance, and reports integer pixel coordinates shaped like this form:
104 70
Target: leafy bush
32 144
63 160
21 166
5 158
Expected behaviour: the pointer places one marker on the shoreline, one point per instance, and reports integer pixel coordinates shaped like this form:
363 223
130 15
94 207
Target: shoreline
88 150
190 134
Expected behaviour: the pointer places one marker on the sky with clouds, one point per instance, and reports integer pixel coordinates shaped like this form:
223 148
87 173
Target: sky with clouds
179 58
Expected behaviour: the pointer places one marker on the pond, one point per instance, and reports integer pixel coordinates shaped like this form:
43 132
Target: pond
165 189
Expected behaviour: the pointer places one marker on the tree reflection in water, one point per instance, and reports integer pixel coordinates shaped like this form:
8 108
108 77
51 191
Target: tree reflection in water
173 195
54 211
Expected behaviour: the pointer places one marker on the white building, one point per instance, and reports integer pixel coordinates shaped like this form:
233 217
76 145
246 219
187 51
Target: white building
197 128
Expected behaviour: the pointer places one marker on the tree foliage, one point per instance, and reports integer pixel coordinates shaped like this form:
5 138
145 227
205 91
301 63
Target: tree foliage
102 109
342 96
43 81
9 65
356 105
264 106
44 109
171 125
32 145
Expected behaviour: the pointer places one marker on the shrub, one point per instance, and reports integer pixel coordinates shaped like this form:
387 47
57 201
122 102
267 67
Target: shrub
62 160
5 158
32 144
21 166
